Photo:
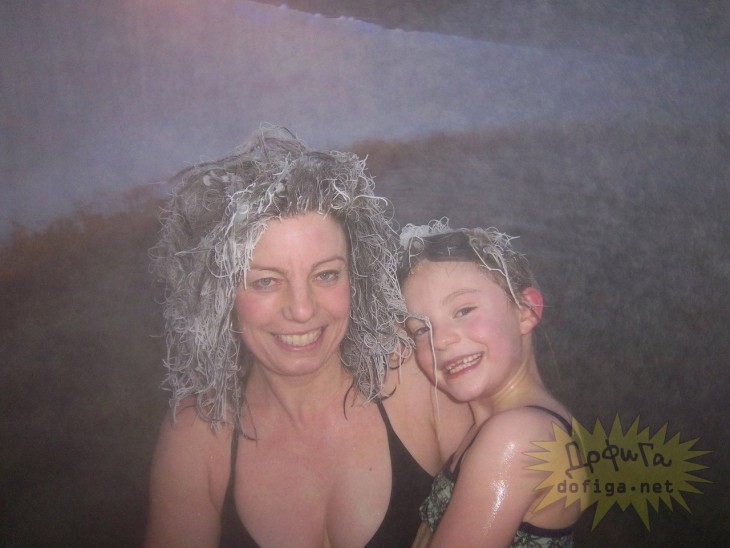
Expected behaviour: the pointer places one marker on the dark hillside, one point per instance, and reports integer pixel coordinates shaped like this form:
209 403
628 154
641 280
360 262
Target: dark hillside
626 229
80 372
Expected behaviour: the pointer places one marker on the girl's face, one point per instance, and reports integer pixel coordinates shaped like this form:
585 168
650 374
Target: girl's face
480 337
295 308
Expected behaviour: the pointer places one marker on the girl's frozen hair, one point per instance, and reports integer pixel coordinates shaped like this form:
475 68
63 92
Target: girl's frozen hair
211 226
487 247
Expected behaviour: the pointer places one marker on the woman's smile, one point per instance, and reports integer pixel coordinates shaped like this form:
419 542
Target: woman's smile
294 308
301 340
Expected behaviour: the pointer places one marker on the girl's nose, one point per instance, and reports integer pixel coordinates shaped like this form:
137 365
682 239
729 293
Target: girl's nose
443 337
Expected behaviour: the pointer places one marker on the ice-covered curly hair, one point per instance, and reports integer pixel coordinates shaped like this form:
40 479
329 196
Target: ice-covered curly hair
211 226
488 247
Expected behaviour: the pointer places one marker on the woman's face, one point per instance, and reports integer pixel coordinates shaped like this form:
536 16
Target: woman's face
294 310
477 331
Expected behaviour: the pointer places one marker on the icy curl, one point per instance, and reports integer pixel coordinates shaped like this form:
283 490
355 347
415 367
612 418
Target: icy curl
488 247
216 216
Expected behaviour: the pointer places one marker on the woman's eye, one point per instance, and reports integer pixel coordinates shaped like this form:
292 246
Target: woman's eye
329 276
263 283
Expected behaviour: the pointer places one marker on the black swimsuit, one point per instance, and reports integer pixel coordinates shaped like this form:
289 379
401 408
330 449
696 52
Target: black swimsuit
410 484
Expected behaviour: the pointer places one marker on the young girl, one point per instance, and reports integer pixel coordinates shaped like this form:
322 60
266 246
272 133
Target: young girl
473 304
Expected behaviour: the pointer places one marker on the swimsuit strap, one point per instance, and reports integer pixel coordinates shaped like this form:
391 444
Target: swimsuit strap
455 474
385 417
233 532
410 484
534 530
234 455
561 419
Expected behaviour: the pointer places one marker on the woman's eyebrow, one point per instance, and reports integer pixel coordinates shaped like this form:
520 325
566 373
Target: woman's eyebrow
316 265
330 259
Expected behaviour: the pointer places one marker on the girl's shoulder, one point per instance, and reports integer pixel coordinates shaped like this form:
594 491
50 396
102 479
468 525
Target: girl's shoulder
519 428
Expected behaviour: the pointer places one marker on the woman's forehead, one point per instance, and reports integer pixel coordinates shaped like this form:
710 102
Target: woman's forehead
304 233
302 222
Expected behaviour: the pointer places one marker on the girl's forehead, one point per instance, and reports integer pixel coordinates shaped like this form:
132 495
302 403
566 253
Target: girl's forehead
427 269
433 279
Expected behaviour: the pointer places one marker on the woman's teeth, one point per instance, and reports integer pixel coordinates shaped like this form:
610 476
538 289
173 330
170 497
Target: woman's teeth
301 340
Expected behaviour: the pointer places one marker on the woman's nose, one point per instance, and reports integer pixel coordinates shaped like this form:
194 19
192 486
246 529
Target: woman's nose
301 305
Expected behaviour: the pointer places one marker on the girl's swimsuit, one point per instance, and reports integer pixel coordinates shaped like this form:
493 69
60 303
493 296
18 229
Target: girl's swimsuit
433 508
409 486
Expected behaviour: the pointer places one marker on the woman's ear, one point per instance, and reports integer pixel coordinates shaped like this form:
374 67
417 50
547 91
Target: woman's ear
532 305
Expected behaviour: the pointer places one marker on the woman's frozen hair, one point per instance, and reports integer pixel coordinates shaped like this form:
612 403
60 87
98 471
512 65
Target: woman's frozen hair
211 226
487 247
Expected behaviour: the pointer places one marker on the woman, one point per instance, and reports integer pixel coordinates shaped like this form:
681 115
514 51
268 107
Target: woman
283 344
473 305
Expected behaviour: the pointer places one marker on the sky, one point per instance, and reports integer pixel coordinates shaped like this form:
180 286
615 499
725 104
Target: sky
102 97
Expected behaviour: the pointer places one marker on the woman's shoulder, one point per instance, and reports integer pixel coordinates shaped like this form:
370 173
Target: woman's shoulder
189 447
184 425
190 468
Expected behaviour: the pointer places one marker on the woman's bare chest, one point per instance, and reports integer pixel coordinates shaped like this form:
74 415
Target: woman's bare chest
308 488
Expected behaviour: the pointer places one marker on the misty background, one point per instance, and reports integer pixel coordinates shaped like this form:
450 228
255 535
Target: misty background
597 132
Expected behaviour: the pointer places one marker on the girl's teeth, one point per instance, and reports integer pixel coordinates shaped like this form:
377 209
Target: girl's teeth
462 364
301 340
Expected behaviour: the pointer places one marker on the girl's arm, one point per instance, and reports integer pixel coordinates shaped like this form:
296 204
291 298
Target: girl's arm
494 490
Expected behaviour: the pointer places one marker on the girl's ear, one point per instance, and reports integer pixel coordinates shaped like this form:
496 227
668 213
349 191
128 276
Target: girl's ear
532 305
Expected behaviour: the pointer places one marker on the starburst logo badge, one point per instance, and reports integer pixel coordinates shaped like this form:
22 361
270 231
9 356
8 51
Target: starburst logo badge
631 468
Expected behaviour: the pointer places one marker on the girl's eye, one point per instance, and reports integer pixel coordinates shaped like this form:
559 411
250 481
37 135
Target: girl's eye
420 331
329 276
464 311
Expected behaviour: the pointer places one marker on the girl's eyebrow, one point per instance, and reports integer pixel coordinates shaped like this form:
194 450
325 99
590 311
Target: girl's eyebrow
414 319
454 294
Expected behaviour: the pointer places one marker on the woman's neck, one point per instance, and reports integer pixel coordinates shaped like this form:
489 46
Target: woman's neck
301 399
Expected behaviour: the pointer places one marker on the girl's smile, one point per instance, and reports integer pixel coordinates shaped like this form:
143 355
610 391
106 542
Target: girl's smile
476 333
454 367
